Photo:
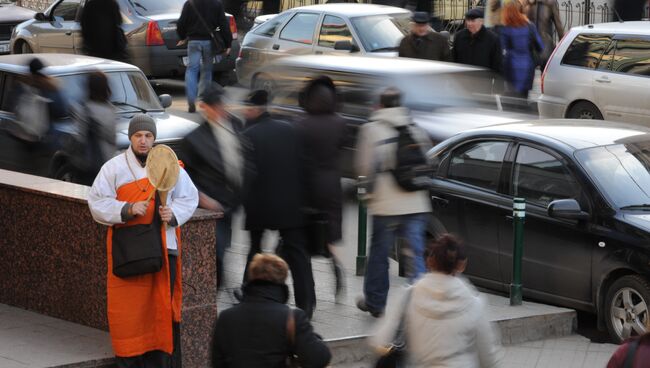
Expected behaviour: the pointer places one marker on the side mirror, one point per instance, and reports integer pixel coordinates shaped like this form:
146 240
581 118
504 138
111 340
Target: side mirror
345 45
567 209
40 17
165 100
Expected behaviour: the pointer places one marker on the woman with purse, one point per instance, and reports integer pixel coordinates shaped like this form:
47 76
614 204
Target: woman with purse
442 322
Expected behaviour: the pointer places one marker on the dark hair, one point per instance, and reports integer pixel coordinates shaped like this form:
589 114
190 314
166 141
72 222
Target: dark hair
448 252
319 96
98 89
390 97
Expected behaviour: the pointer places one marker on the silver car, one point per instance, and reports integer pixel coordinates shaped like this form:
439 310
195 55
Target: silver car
600 71
150 27
321 29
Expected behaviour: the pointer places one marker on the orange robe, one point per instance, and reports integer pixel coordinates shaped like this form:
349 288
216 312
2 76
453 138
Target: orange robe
140 308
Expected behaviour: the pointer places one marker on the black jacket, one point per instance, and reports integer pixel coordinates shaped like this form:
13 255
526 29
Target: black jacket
254 333
482 50
101 30
191 27
274 191
432 46
201 155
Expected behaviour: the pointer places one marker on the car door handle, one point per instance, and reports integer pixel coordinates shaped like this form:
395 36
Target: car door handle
509 218
68 33
603 80
276 47
440 200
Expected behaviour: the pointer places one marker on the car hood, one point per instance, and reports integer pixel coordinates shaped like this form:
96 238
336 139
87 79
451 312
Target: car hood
10 13
638 219
169 128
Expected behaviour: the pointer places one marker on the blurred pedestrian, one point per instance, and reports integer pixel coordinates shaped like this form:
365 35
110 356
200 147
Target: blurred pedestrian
493 15
444 319
101 30
263 331
204 27
521 46
96 120
324 136
476 45
213 157
629 10
144 311
275 194
545 15
633 353
395 210
423 42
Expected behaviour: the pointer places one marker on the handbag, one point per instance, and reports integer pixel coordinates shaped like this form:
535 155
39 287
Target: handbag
395 355
218 44
316 232
137 249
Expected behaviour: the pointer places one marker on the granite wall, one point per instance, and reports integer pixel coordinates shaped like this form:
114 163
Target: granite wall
53 259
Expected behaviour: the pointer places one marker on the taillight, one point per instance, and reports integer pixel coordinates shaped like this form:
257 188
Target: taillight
549 61
233 27
154 36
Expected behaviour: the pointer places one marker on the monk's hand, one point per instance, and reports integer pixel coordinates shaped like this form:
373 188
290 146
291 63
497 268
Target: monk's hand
139 208
166 213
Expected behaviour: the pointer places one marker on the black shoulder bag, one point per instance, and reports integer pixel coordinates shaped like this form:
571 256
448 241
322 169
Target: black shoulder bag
218 45
137 249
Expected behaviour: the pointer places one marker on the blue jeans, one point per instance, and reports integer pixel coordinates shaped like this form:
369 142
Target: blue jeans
200 57
385 230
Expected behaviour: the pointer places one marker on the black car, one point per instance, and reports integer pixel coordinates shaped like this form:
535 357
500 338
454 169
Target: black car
10 16
587 229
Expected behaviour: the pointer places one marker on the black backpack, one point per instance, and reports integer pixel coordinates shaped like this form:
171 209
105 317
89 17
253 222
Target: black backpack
412 170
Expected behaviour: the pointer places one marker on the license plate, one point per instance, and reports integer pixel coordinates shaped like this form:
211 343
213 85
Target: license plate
4 48
185 60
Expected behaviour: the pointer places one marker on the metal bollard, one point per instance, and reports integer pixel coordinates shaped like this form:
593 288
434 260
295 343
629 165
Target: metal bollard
362 226
518 219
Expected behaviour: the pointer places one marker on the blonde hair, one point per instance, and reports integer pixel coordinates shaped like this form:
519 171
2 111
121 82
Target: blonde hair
268 267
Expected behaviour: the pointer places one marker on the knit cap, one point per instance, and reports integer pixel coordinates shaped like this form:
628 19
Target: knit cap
142 122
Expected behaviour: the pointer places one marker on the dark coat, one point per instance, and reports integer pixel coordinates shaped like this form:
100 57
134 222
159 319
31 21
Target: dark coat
545 15
191 27
254 333
101 30
518 64
323 138
484 49
433 46
274 191
201 155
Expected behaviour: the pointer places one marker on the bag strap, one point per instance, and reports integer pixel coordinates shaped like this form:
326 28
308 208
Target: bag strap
203 22
291 328
631 353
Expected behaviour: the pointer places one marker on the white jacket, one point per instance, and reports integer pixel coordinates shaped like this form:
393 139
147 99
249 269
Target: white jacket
387 197
446 325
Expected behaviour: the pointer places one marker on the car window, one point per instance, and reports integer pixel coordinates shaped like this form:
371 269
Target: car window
67 9
586 49
541 178
478 164
300 28
381 32
632 56
333 29
154 7
269 27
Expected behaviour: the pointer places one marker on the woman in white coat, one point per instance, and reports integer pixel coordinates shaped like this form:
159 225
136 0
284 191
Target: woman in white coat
445 323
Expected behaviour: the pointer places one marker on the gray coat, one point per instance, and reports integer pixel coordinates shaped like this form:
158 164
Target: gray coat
545 15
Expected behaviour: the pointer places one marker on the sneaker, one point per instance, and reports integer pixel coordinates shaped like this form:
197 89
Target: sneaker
361 304
191 108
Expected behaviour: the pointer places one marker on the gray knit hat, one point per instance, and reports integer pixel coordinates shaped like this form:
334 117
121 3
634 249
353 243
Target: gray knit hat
142 122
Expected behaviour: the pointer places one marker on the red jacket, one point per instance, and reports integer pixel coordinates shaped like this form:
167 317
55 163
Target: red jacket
641 358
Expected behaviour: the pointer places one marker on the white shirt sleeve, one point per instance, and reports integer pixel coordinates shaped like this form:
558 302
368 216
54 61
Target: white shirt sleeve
102 199
184 198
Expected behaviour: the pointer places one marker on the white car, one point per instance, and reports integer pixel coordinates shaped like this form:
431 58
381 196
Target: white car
600 71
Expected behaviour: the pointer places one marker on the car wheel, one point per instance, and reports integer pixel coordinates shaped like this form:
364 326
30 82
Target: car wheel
264 82
584 110
626 307
67 172
25 48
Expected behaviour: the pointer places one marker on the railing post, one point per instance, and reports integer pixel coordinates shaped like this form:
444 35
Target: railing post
362 226
518 219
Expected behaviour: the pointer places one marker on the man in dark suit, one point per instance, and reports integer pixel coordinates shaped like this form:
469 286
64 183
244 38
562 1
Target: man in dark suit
274 196
213 155
477 45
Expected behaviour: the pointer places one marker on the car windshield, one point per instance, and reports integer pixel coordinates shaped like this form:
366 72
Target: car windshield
154 7
381 32
621 172
7 1
129 90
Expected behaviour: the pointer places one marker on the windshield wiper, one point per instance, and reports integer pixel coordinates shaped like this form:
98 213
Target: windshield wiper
637 207
391 48
119 103
135 3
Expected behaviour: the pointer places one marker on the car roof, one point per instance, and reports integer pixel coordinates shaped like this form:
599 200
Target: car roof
569 134
637 27
352 10
59 64
365 64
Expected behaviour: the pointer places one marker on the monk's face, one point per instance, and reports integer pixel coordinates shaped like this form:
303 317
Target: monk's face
142 141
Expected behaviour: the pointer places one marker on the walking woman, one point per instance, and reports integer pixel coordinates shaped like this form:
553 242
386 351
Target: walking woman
444 321
521 44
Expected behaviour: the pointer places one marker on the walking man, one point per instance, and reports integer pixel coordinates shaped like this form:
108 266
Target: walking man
274 197
545 15
395 211
423 42
143 323
476 45
197 24
213 158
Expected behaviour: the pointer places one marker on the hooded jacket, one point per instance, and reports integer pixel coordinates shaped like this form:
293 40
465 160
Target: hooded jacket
445 325
375 159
